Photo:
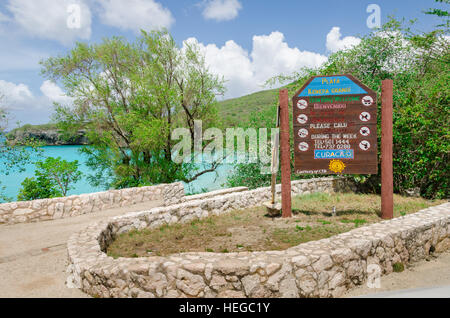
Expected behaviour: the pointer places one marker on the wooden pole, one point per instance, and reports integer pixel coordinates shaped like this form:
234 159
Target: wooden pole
275 157
274 167
285 155
387 181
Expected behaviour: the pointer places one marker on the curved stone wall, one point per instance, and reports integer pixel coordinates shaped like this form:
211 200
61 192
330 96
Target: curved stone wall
324 268
57 208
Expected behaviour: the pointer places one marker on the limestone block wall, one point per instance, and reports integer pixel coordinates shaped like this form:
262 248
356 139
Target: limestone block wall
57 208
324 268
214 193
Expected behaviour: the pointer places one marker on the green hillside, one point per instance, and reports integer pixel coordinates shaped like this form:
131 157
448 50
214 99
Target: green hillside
29 127
236 111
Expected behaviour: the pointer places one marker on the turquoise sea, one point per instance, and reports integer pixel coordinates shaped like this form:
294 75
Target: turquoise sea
209 181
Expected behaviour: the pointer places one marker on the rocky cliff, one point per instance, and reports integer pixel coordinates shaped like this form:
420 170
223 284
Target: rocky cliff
49 137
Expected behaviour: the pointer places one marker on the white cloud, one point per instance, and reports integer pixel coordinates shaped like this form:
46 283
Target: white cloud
135 14
221 10
48 19
16 96
271 56
28 108
54 93
233 63
335 43
246 73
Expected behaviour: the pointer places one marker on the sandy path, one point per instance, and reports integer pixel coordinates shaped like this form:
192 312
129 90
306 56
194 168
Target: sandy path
33 256
421 275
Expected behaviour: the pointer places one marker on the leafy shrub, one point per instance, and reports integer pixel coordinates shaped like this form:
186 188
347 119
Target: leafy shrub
38 188
54 177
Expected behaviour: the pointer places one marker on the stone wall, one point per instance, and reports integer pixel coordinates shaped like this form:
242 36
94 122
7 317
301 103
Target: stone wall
57 208
324 268
220 203
211 194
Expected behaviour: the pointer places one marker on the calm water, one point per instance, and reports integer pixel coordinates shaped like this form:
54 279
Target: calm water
209 181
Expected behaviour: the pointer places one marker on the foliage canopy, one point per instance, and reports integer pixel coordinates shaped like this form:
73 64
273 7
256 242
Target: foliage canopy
129 97
54 177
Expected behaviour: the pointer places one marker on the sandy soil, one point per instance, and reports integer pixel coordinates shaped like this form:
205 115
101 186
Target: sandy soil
424 274
33 257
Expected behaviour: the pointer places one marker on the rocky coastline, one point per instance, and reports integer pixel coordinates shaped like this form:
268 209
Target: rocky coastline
48 137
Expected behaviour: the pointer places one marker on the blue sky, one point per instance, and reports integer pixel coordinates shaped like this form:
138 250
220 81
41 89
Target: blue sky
246 41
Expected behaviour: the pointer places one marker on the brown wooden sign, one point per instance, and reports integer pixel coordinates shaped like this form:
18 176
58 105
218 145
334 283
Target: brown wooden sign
335 127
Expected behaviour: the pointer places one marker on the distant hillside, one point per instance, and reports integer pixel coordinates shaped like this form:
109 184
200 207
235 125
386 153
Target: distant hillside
237 110
29 127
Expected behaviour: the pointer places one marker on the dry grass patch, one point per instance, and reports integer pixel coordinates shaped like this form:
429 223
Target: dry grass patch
253 230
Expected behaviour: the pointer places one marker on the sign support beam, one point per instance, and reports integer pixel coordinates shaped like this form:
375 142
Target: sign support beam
275 157
387 184
285 153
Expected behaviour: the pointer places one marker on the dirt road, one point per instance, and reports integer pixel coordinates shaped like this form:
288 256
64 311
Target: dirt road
33 257
426 275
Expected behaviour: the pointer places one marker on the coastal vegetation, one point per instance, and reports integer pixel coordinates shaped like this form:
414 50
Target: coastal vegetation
14 157
129 97
53 178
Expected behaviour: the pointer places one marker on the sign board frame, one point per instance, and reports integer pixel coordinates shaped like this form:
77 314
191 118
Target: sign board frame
335 126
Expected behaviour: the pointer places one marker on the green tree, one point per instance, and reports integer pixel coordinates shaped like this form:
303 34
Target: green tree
444 14
13 157
129 97
54 177
419 66
38 188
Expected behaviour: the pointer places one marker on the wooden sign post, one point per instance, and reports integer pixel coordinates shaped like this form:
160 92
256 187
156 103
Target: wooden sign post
285 154
387 184
335 132
335 127
275 158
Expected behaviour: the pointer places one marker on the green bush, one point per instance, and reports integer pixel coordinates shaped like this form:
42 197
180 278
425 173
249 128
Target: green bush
38 188
54 177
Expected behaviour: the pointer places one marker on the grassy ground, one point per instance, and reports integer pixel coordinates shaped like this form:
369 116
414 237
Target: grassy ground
252 230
